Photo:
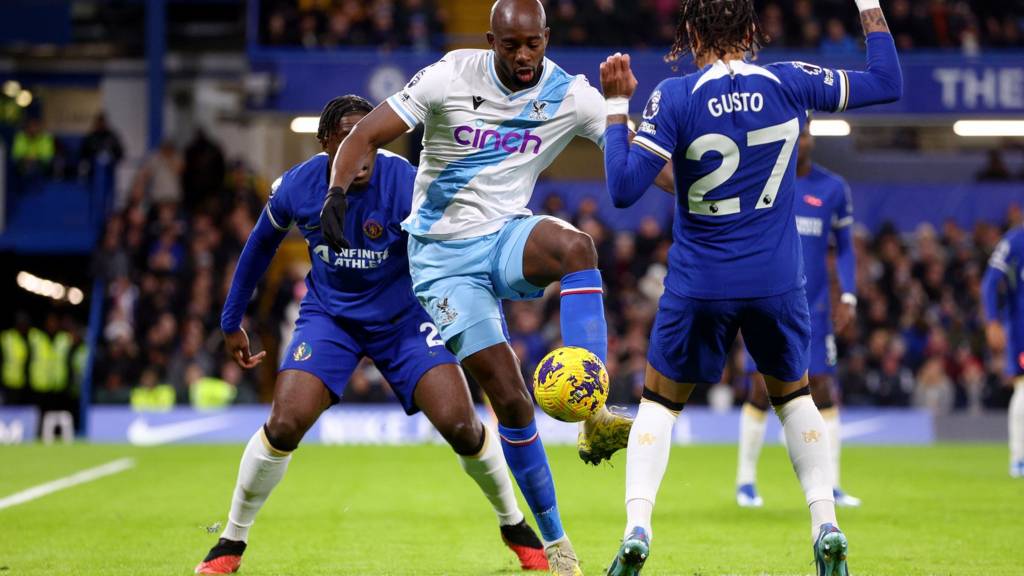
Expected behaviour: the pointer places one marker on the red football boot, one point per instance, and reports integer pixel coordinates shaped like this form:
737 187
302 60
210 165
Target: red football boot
522 540
224 558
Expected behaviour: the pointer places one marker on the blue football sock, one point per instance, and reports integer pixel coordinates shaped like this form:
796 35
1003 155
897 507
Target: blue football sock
525 455
583 321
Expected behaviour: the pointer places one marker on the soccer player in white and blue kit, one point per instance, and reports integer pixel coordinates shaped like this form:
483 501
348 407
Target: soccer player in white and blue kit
735 264
824 214
493 120
359 304
1004 330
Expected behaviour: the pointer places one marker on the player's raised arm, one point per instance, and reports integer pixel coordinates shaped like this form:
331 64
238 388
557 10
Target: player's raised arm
883 80
377 129
839 90
399 114
630 171
259 250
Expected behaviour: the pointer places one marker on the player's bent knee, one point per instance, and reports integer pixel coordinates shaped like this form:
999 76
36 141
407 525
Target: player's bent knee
285 432
464 435
580 252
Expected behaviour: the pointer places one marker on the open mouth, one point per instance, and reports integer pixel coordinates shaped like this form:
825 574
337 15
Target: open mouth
525 74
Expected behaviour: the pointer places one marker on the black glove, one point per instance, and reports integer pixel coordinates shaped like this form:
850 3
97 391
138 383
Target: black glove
332 218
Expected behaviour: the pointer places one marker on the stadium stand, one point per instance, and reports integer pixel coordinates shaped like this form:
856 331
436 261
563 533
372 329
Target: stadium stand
832 27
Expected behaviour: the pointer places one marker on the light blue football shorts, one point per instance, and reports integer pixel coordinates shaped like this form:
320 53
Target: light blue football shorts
461 283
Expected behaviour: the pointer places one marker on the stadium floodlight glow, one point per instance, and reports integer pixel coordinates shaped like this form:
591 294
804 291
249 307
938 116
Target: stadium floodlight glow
48 288
305 124
830 128
23 99
989 128
11 88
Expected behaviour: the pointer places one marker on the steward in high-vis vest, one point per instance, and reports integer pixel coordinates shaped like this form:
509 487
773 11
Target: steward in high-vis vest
14 360
50 353
152 396
208 392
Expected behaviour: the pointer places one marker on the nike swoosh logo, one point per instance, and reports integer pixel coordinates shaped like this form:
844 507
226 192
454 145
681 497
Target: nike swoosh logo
140 433
862 427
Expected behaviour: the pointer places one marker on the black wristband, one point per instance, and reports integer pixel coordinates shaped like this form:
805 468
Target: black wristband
336 190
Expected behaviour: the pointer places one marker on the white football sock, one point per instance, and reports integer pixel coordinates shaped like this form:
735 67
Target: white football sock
807 443
262 467
1016 417
647 454
831 418
490 472
752 425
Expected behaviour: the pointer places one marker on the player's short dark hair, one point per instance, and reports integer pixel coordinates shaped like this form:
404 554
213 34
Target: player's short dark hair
335 110
723 26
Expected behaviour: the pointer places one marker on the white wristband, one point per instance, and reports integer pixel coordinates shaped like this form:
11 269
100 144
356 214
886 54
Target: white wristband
849 298
863 5
616 106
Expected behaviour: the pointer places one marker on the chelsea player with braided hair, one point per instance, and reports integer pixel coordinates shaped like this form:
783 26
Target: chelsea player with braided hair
730 130
359 303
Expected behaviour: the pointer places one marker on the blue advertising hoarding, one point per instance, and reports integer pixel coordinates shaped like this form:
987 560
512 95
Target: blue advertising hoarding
388 425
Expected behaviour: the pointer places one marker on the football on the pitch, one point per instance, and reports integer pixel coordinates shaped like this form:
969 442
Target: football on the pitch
570 384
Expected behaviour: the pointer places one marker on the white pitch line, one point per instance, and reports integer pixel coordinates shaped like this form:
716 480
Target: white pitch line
87 475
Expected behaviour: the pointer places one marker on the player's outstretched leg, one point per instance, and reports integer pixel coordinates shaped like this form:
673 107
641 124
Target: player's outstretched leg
497 370
807 443
647 456
824 398
753 419
1016 422
299 399
443 395
556 251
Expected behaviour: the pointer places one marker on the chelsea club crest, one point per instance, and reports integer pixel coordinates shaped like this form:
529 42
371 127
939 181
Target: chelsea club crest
373 229
302 352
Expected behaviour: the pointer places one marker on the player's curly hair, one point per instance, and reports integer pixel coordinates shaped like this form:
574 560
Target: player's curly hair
335 110
722 26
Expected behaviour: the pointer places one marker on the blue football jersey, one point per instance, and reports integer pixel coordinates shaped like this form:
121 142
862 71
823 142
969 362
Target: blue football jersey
823 204
1008 258
368 282
731 131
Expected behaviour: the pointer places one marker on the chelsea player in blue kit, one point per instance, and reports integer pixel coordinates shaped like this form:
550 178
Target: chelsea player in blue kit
824 211
735 263
1006 270
359 303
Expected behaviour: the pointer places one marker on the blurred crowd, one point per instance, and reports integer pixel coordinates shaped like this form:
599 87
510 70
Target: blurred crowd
831 26
167 256
325 24
918 339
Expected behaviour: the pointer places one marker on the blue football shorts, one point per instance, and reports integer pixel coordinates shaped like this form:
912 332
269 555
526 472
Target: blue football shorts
461 283
823 348
403 349
691 337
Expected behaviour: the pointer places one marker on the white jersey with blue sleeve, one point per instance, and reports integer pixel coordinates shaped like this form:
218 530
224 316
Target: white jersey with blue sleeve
483 145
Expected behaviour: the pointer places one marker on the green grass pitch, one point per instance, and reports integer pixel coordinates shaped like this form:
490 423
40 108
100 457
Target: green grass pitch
411 510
